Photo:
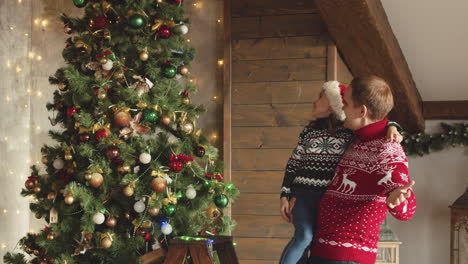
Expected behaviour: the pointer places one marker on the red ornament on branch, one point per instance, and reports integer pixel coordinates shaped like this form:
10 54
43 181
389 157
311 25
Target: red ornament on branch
177 162
71 111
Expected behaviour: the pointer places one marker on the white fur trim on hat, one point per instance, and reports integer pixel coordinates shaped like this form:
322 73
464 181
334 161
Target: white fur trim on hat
333 92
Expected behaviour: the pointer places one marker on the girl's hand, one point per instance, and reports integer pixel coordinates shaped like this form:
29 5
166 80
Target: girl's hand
393 135
285 210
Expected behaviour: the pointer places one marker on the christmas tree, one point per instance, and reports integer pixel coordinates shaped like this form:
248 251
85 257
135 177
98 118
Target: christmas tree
130 169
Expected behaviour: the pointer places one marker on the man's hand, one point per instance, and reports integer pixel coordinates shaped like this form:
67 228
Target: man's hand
399 195
286 208
393 135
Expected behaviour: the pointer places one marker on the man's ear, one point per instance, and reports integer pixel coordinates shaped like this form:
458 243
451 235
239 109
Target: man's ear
364 111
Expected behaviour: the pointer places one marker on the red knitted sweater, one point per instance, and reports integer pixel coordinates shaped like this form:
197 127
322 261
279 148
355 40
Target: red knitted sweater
354 206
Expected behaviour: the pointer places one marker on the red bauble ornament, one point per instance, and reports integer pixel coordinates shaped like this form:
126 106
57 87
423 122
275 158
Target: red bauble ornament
176 166
113 152
101 133
147 236
99 22
164 32
71 111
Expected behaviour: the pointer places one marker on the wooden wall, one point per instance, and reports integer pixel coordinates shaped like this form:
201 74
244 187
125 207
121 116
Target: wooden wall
279 61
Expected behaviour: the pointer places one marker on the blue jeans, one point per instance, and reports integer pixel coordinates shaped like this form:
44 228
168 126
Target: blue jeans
305 212
319 260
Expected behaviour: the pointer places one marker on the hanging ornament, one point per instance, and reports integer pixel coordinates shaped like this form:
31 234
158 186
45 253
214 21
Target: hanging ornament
213 212
141 85
103 60
88 176
51 236
124 169
199 151
169 210
119 75
139 207
177 162
135 128
144 55
190 193
165 120
128 190
186 127
71 111
67 155
122 117
99 218
169 71
98 22
84 137
31 182
166 229
62 87
101 134
96 180
146 224
106 241
145 158
184 70
80 3
150 115
153 211
51 196
111 222
158 184
58 164
221 200
137 21
108 65
164 32
69 199
37 188
112 152
180 29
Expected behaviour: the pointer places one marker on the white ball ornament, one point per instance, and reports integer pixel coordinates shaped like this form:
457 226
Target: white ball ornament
98 218
145 158
182 29
166 229
191 193
58 164
139 207
108 65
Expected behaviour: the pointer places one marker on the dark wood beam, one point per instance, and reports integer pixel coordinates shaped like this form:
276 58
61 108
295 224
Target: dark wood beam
454 110
365 38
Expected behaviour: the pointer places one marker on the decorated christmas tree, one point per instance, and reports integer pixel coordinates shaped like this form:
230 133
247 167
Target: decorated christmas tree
130 169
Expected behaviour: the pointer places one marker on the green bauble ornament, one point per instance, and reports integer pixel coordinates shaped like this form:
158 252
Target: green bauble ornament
169 210
150 115
137 21
221 200
179 195
80 3
169 71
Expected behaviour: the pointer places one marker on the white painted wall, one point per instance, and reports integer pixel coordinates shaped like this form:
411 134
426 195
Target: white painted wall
433 36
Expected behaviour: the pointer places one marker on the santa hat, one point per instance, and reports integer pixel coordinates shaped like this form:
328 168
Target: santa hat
335 92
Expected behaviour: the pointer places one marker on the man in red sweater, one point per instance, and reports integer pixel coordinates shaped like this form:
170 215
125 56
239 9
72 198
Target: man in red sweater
371 179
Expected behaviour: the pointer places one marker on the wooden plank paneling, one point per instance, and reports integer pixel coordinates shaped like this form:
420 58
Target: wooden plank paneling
265 137
260 248
258 181
276 92
279 48
445 110
279 70
241 8
260 159
277 26
257 204
255 226
271 115
255 261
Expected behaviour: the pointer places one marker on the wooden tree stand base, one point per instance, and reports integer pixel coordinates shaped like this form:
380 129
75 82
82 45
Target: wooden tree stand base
199 251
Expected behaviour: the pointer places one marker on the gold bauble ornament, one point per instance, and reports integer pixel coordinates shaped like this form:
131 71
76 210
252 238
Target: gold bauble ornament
28 250
165 120
96 180
62 87
50 236
103 60
213 212
158 184
128 191
186 127
88 176
51 195
119 75
122 118
147 224
153 211
69 199
68 155
186 100
29 184
102 94
124 169
36 252
144 55
184 70
106 242
37 189
111 222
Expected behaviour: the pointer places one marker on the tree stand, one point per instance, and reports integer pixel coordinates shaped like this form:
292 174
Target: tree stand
200 251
